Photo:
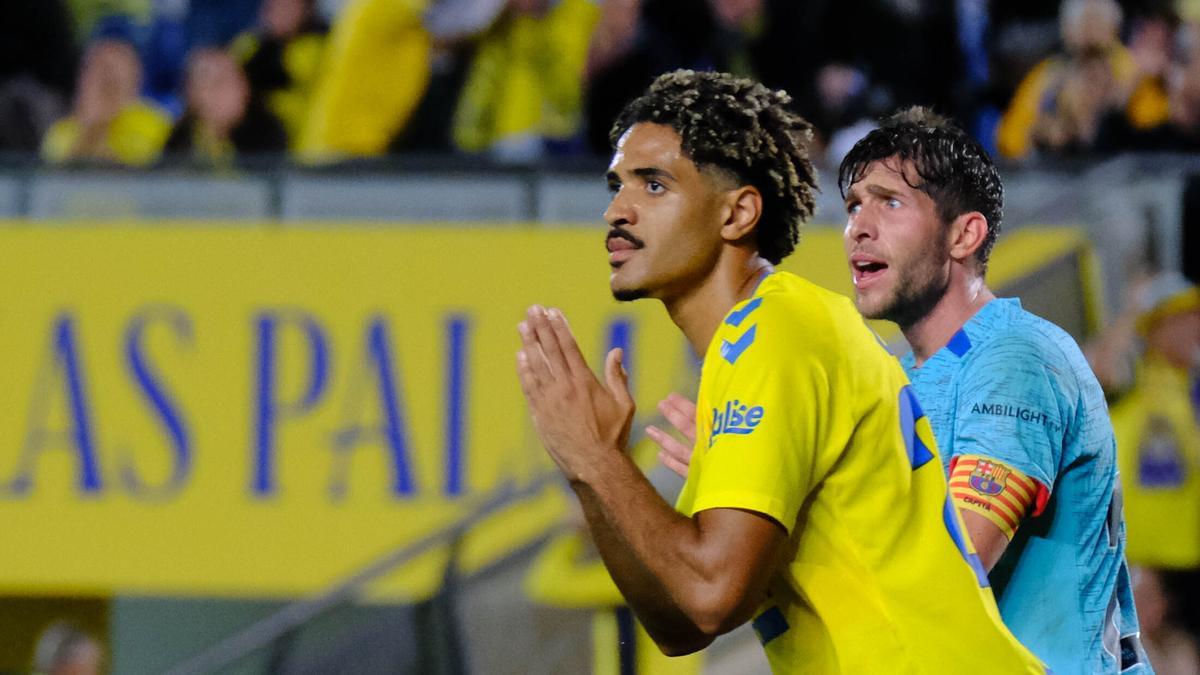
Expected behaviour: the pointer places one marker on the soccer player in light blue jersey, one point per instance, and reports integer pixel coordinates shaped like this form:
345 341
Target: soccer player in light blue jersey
1021 420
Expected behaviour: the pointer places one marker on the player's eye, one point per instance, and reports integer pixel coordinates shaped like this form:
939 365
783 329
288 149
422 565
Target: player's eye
893 203
853 208
614 187
654 187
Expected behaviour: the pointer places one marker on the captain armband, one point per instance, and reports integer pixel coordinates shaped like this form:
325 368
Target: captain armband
995 491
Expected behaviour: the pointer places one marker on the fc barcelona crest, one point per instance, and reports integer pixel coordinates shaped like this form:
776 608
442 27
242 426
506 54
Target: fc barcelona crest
988 478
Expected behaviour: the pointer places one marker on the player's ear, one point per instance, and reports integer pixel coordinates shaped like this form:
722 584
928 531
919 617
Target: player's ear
967 233
743 208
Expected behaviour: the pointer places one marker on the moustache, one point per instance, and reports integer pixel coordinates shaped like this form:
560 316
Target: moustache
619 233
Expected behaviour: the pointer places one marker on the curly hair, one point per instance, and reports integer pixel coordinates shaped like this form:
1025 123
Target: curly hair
954 169
745 130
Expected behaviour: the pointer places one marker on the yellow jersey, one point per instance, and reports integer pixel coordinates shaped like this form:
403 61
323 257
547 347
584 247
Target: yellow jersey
1158 450
803 416
135 137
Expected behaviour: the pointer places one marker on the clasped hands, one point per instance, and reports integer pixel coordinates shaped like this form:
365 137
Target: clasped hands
576 416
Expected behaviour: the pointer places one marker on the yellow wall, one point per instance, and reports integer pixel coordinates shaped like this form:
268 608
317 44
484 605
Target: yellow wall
219 410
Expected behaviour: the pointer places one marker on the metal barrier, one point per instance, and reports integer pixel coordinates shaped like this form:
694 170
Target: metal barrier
262 633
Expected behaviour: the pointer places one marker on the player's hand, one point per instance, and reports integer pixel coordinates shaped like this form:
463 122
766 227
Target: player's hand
577 417
681 413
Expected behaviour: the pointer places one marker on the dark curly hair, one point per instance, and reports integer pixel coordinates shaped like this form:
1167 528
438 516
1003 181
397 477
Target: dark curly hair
743 129
954 169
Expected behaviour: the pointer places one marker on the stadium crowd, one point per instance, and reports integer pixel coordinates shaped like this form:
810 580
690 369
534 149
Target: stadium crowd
142 82
134 81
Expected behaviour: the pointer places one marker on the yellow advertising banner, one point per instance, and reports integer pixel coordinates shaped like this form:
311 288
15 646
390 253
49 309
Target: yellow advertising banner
227 410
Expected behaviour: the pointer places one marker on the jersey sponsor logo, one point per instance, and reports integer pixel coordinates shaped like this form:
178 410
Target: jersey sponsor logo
1004 410
735 418
988 478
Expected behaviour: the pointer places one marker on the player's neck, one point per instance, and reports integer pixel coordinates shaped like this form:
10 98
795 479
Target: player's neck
699 311
965 296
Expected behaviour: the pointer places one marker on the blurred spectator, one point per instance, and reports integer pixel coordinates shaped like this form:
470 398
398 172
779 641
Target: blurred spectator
1019 35
1179 132
165 52
1151 45
90 16
376 69
223 119
37 70
847 62
215 23
63 649
109 121
798 47
633 42
911 52
844 108
454 27
1059 105
842 61
1029 27
1114 352
523 88
1171 649
1157 432
282 58
158 31
636 40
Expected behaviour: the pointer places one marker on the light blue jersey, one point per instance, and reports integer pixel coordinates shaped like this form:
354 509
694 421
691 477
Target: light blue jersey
1015 388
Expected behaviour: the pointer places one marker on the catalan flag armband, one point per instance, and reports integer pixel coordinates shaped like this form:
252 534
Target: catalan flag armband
995 491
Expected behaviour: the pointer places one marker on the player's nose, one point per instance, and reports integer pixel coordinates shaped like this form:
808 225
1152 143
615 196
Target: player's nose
619 211
860 226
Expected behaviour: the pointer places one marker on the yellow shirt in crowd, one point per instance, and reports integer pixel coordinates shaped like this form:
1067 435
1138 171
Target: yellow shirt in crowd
1158 446
135 137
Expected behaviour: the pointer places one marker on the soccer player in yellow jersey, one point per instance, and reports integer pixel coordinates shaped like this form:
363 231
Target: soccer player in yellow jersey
816 505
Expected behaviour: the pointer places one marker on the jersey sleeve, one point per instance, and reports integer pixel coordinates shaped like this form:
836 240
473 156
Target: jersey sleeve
1013 408
765 417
